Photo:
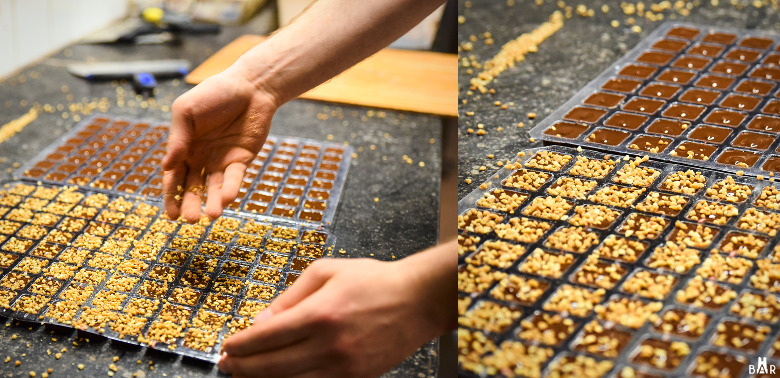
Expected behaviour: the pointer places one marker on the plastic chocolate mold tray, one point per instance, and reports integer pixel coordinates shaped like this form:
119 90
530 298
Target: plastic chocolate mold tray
696 95
115 266
291 178
584 262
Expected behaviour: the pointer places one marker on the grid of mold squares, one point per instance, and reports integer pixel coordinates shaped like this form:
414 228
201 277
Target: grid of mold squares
687 94
290 177
109 265
581 262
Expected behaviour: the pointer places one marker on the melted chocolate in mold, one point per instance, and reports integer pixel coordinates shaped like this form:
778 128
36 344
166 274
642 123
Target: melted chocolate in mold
328 166
296 181
700 151
683 32
643 105
742 55
604 100
752 140
293 191
756 43
626 120
316 205
663 91
283 212
325 175
738 158
45 164
636 70
272 178
318 194
260 197
729 68
767 73
671 360
683 111
70 168
760 88
670 45
772 59
300 172
682 330
772 164
725 117
691 62
607 136
257 208
305 155
721 38
144 170
566 130
666 127
275 169
271 188
702 49
622 85
98 163
291 277
79 180
34 172
650 143
772 107
322 184
765 123
656 58
157 181
700 96
740 102
127 188
676 76
287 201
714 82
710 134
583 114
727 365
310 215
331 158
56 176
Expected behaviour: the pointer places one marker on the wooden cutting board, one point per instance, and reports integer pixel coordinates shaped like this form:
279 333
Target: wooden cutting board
418 81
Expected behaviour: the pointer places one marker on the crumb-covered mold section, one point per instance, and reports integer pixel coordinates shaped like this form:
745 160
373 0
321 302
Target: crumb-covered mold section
117 267
656 269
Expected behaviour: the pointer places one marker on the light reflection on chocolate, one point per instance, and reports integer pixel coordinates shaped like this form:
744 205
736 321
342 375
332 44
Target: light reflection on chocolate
721 38
724 117
636 70
566 130
691 62
772 164
771 59
657 90
656 58
643 105
740 102
607 136
666 127
650 143
765 123
772 107
676 76
605 100
756 43
707 50
621 85
683 111
742 54
683 32
710 134
739 158
729 68
626 120
714 82
584 114
767 73
755 87
670 45
753 140
699 96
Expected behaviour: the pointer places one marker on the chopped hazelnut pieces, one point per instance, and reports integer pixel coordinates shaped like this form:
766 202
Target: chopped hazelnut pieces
643 226
705 294
743 244
574 300
593 168
599 274
614 195
730 191
764 308
596 216
602 341
517 358
472 345
632 174
714 364
740 336
547 207
548 161
767 277
649 284
481 222
682 323
550 329
622 249
525 179
502 200
489 316
579 366
519 289
693 235
712 212
660 203
571 187
769 198
466 244
476 279
688 182
674 257
548 264
661 354
572 239
496 253
631 313
724 268
757 220
522 230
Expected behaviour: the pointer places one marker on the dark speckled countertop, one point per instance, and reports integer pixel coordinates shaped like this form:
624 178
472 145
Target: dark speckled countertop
404 220
565 62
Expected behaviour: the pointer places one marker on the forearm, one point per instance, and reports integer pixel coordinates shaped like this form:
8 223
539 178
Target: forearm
329 37
433 273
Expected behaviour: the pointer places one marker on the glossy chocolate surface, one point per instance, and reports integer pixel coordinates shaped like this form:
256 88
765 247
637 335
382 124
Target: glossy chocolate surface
753 140
626 120
643 105
604 100
700 96
584 114
710 134
740 158
607 136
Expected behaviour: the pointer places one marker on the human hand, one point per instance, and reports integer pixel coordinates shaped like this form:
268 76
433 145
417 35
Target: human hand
342 318
217 129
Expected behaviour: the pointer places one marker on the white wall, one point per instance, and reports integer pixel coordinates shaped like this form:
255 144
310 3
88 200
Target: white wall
30 29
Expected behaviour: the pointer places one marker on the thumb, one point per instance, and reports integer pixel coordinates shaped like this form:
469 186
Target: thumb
311 280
